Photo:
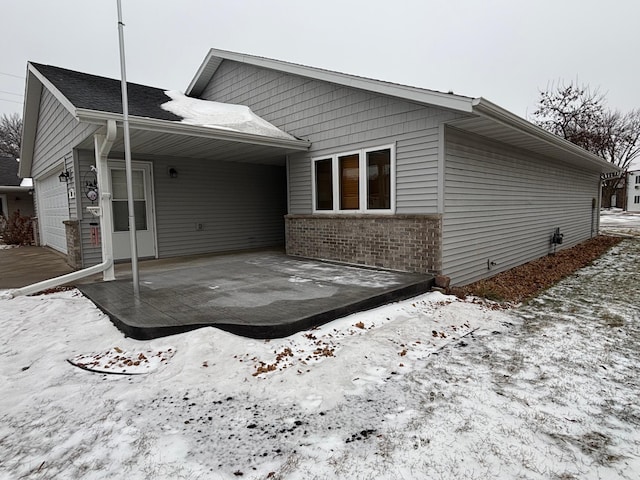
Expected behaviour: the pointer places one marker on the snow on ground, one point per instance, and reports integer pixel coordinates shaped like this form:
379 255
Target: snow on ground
618 222
431 387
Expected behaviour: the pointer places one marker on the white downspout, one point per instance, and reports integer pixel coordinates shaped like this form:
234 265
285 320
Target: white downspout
103 144
57 281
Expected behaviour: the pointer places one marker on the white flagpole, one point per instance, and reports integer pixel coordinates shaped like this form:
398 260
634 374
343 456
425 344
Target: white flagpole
127 158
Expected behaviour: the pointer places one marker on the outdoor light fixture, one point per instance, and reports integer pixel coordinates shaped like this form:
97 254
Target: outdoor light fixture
173 173
65 176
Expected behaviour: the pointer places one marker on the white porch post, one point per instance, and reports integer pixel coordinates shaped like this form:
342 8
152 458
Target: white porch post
103 145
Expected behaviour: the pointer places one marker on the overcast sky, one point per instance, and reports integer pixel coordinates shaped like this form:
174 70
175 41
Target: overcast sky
502 50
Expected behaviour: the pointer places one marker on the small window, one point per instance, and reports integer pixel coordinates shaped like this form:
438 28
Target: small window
119 201
638 180
355 182
349 182
636 199
324 184
379 179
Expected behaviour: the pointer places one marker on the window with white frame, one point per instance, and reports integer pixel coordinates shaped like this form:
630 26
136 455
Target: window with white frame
361 181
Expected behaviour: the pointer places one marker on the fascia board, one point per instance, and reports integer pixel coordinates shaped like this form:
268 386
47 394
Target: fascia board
33 93
203 75
17 189
49 86
177 128
414 94
490 110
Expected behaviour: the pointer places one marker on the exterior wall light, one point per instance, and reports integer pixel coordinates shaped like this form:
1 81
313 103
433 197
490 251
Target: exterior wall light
65 176
173 173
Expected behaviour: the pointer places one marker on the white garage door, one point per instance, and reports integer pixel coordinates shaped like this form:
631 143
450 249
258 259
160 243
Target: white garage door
53 209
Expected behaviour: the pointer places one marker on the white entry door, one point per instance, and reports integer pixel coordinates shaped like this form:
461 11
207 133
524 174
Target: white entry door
143 209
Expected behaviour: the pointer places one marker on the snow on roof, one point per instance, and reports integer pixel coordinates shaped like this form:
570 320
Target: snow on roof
226 116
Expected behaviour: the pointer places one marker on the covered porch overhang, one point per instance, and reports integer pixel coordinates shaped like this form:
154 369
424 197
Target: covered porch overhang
152 138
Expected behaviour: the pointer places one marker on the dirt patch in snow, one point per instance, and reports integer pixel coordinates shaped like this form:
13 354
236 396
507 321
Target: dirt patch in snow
526 281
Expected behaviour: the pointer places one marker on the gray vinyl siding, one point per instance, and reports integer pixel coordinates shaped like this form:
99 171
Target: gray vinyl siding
56 135
503 204
21 201
240 206
336 119
91 254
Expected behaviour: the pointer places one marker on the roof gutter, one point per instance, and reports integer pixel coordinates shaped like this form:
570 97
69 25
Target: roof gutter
14 189
498 114
167 126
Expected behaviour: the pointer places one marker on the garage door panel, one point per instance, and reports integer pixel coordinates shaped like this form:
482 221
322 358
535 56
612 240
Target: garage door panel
53 209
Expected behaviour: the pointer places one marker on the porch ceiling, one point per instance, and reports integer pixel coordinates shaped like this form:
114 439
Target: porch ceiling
171 139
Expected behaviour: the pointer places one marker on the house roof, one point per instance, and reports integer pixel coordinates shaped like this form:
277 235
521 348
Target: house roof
9 172
9 179
482 116
154 130
92 92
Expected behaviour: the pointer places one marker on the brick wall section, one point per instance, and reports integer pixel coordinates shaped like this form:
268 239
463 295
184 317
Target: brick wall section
410 243
74 249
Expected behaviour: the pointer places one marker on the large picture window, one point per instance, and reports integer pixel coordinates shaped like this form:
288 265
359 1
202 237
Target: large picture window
355 182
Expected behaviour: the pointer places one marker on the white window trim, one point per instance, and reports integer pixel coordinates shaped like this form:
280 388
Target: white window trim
363 185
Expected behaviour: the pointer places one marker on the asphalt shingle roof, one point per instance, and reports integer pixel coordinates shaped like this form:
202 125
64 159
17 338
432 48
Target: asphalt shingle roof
103 94
9 172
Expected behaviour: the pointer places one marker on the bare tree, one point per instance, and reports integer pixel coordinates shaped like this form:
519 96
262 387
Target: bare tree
622 138
581 116
10 135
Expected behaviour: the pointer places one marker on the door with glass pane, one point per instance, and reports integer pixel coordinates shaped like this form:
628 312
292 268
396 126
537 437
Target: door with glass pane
143 209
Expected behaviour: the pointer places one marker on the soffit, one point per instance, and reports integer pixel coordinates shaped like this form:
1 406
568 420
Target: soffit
555 148
146 143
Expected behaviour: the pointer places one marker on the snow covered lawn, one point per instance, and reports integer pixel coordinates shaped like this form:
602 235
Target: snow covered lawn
432 387
618 222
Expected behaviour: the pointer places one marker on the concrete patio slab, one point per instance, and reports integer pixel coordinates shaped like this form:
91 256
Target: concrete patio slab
254 294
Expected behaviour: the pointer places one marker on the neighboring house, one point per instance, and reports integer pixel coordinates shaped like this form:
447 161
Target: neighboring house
633 191
15 192
618 196
334 166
